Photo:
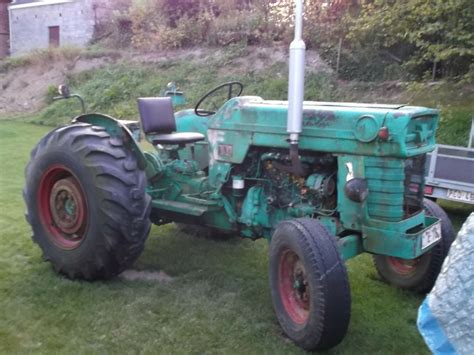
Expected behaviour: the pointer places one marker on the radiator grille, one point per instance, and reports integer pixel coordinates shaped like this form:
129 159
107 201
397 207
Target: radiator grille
385 179
414 185
395 187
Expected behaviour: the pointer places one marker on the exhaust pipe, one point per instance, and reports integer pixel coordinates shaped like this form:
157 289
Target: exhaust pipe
296 89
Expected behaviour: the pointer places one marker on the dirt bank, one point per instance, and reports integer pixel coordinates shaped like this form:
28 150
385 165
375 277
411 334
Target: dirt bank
23 89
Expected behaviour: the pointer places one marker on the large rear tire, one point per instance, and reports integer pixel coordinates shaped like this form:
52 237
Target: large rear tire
86 202
420 274
309 285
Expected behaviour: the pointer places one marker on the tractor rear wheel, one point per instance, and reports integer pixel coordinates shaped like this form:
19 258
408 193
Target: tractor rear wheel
309 284
86 202
419 275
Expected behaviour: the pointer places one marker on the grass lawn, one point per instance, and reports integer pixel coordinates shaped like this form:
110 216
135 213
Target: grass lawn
217 301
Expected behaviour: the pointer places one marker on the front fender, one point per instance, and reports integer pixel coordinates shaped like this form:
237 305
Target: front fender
116 128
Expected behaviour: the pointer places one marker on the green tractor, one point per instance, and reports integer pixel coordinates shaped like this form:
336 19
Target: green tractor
322 182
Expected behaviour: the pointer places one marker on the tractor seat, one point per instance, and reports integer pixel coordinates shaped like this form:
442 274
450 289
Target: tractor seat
157 117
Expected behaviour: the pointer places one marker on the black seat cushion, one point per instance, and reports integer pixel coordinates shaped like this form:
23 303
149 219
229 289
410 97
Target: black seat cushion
156 114
157 117
177 138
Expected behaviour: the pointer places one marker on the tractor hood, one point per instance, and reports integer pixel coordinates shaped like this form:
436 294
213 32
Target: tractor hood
367 129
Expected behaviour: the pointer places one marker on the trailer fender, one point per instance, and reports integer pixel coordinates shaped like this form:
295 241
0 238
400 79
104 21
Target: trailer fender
117 128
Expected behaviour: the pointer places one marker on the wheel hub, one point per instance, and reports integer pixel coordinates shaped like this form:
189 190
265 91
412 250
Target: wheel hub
62 207
403 266
294 290
300 284
67 206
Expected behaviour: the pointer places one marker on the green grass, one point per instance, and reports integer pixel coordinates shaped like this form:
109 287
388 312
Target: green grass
456 104
218 301
114 89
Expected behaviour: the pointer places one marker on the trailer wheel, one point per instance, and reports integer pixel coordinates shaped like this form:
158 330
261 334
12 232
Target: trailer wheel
86 202
419 275
309 284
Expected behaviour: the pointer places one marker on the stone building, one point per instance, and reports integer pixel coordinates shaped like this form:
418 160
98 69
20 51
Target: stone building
44 23
4 28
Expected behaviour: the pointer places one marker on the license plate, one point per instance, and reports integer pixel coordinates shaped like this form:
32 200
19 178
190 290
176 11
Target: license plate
431 235
459 195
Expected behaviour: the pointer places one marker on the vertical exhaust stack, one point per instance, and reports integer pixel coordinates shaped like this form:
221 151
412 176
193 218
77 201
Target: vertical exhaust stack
296 89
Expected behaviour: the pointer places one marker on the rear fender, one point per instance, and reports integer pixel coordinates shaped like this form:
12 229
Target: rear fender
117 128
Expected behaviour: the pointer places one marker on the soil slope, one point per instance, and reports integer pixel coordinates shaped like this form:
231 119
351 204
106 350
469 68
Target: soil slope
23 89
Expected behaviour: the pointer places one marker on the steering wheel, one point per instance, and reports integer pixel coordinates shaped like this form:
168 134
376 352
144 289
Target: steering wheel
231 84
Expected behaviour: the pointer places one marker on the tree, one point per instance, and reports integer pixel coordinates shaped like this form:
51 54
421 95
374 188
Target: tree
421 34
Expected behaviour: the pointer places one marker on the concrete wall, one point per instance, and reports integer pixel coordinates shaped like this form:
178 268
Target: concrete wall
29 24
4 29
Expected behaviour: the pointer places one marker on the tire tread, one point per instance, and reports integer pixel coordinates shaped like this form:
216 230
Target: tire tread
322 255
125 224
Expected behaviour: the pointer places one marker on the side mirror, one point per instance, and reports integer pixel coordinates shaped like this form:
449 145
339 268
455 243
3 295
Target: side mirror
171 87
63 90
177 96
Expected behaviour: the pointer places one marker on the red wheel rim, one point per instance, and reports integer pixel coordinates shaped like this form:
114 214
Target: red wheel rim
406 267
62 207
293 287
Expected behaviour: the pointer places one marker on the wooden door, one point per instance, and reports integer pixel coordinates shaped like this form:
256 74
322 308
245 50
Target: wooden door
54 36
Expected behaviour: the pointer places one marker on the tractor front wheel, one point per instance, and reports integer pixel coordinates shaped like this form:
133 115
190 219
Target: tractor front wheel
419 275
86 202
309 284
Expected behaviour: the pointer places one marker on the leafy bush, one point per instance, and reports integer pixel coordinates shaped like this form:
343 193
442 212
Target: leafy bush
419 33
381 39
237 26
173 24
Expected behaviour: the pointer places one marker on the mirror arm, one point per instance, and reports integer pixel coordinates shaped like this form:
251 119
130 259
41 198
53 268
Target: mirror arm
83 105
